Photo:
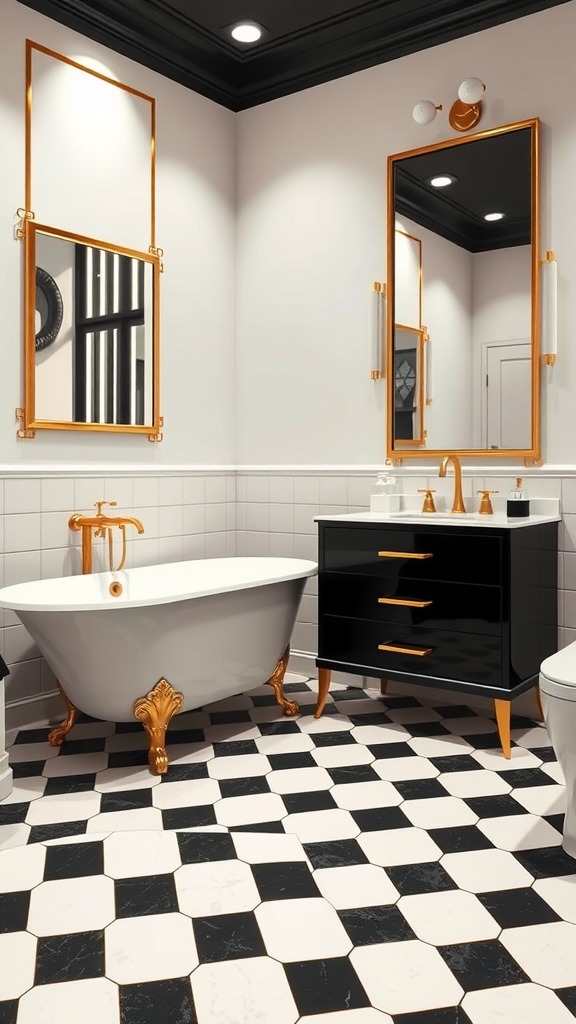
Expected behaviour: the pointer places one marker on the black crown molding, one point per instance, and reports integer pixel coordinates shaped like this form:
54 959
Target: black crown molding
155 35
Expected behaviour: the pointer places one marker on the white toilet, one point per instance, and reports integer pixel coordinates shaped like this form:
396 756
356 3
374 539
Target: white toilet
558 692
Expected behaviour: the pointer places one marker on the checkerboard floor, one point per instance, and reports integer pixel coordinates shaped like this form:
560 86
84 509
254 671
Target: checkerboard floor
383 865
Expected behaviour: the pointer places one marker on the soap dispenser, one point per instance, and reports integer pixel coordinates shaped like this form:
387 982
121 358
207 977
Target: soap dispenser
518 505
385 496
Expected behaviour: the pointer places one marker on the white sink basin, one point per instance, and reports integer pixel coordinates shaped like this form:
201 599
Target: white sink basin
452 518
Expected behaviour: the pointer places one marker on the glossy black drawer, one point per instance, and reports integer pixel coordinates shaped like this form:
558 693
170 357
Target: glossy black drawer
446 554
388 647
464 607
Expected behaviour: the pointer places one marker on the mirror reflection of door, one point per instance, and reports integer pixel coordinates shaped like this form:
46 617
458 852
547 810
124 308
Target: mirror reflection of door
408 385
507 409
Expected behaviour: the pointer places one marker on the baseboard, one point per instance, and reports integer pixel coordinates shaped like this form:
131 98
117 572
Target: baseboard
34 712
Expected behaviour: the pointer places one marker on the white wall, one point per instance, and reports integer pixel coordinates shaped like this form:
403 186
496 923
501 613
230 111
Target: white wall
195 227
311 233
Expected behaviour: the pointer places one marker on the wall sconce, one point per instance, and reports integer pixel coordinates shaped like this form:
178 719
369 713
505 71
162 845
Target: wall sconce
465 112
428 378
549 342
378 320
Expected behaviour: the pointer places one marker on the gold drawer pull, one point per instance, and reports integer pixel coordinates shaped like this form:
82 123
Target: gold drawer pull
407 604
401 554
405 650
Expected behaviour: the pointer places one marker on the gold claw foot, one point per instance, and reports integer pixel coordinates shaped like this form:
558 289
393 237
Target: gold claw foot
155 711
56 737
276 680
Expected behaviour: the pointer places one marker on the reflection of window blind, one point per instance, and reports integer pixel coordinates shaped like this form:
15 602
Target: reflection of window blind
109 309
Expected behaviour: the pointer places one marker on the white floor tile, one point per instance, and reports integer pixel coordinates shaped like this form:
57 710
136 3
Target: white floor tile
399 846
471 725
294 743
242 992
267 847
249 810
241 766
133 854
356 885
389 732
13 836
328 723
545 952
474 783
446 918
560 894
367 1015
519 832
440 746
18 959
32 752
486 871
321 826
440 812
71 905
151 948
218 887
270 713
232 732
342 755
362 706
75 764
189 753
542 799
66 807
520 1004
404 977
355 796
19 870
403 769
122 780
495 760
299 780
122 741
190 793
114 821
535 737
302 929
554 771
94 1001
24 790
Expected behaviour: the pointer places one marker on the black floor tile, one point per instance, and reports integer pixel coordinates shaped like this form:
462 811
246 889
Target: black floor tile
198 847
285 881
14 911
8 1011
297 687
69 958
74 861
460 840
547 863
325 986
184 736
149 894
556 820
156 1001
40 833
278 728
420 789
26 770
335 854
228 937
371 718
332 739
297 803
13 814
263 700
376 819
484 740
189 817
129 800
281 762
184 772
260 826
521 778
447 1015
455 711
229 717
91 746
401 702
127 758
234 748
567 995
369 926
519 722
427 729
517 908
544 753
32 736
353 773
70 784
413 879
479 965
495 806
457 763
129 727
244 787
383 751
350 693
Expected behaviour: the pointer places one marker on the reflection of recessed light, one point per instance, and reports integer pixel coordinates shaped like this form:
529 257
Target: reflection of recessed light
493 216
246 32
442 180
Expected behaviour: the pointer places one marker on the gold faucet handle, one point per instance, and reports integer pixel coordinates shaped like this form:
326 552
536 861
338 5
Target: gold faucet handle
485 503
428 505
98 506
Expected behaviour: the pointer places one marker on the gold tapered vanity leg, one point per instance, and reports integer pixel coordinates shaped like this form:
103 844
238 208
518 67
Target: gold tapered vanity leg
503 711
539 703
155 711
276 680
324 676
56 737
383 685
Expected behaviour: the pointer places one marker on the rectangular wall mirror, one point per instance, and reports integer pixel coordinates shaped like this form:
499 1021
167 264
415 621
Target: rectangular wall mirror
463 302
91 334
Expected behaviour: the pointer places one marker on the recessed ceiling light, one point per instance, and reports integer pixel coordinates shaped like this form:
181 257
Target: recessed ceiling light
493 216
246 32
442 180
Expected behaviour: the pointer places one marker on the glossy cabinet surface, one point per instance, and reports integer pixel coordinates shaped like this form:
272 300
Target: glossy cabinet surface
472 609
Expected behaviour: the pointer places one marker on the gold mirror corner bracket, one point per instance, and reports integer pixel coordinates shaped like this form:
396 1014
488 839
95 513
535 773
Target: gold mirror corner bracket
533 460
549 360
24 433
24 217
375 374
154 250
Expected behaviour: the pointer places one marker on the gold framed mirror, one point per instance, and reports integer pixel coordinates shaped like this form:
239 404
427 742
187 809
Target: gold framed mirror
463 291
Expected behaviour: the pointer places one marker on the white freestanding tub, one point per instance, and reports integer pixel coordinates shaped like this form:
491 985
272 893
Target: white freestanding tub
210 627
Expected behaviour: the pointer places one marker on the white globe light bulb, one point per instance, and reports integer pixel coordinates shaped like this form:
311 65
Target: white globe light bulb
424 112
471 91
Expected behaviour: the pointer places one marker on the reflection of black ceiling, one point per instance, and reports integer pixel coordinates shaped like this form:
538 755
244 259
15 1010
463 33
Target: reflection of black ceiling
306 41
493 176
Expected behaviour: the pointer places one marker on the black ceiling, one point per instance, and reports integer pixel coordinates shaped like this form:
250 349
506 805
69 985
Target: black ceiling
493 175
306 42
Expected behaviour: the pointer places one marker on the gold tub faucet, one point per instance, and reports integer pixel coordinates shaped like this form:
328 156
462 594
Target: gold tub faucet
458 503
101 525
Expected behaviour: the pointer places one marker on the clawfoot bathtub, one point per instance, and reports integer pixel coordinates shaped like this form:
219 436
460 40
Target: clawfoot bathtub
150 642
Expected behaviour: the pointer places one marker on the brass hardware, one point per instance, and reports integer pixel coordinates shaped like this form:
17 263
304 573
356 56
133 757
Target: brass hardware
23 432
115 589
23 216
503 710
407 604
155 711
428 505
276 681
419 652
529 461
101 524
458 503
518 481
324 676
485 504
464 116
402 554
156 438
57 736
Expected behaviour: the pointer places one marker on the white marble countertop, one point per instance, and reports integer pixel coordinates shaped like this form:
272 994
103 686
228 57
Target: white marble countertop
498 519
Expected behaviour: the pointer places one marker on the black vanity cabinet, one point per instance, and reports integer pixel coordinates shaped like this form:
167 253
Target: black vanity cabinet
467 608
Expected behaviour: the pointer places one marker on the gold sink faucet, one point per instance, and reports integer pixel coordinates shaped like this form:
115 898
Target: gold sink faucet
101 525
458 503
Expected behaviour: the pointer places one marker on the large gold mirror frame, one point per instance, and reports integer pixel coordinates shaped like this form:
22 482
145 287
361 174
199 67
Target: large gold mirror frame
496 274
